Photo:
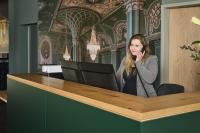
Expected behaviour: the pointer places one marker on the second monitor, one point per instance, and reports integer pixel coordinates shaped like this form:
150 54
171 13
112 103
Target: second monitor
95 74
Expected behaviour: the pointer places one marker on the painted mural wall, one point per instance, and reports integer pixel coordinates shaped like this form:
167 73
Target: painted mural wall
64 23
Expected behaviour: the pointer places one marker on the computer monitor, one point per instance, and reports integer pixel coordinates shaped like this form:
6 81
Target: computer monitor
95 74
99 75
71 71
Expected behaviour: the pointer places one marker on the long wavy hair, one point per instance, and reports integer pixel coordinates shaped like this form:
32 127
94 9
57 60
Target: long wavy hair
129 61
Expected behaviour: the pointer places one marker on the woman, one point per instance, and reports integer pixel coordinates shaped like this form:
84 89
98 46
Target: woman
139 69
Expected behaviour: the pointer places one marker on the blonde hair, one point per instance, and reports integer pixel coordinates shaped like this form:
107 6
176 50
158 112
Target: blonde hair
129 61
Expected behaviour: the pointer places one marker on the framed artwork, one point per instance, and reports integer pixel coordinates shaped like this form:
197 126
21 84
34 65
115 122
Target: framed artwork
45 50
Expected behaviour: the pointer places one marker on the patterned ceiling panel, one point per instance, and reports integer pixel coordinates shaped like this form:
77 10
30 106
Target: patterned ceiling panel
46 9
57 27
50 18
103 7
77 17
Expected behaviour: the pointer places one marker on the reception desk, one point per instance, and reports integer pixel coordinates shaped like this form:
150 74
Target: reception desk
40 104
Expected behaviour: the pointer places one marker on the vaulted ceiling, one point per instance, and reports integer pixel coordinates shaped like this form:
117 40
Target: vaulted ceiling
51 16
103 7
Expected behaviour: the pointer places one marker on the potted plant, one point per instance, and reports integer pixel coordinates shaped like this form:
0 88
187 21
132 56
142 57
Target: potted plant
194 47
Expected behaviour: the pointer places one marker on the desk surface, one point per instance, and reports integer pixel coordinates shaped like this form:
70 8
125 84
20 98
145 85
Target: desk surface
133 107
3 96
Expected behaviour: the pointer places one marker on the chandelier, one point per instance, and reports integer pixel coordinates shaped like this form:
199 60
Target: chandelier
66 55
93 46
3 32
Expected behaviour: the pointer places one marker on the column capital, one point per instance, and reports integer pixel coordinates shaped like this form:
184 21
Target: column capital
134 5
113 48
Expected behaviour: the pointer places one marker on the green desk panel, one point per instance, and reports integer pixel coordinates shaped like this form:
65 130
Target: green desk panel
26 108
68 116
31 110
184 123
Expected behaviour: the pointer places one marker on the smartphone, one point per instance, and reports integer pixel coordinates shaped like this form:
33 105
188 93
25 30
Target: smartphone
143 49
134 57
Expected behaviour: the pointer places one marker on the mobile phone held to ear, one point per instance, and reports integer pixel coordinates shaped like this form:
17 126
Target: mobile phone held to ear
134 57
143 49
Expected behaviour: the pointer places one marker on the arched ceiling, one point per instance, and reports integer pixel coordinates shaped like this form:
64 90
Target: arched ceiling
103 7
49 9
76 18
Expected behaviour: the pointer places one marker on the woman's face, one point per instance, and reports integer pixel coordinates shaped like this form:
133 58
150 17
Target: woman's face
135 46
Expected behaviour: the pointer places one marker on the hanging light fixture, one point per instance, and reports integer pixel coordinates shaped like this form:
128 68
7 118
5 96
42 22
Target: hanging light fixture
93 46
66 55
3 32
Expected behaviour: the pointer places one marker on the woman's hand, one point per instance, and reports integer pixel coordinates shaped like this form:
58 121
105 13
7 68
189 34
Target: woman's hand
139 55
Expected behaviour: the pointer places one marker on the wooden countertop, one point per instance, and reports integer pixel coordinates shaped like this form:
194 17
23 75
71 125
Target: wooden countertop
3 96
133 107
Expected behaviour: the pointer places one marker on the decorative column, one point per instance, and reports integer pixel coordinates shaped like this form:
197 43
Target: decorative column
75 47
114 57
75 26
135 17
99 58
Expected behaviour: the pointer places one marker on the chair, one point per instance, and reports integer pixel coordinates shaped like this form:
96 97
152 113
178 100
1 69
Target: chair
166 89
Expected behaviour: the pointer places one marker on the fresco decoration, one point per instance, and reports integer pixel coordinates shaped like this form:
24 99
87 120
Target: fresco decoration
154 17
76 18
85 30
46 10
45 50
94 1
84 41
59 28
59 44
120 31
134 5
102 7
104 40
64 20
117 15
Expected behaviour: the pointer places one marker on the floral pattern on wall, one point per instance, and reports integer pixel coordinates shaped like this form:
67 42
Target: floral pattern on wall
154 17
120 31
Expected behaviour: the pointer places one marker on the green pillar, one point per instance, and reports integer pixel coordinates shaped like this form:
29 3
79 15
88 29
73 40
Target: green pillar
114 57
75 48
98 58
20 61
135 17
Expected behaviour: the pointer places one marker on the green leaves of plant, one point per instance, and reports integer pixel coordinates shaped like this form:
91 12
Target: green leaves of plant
195 52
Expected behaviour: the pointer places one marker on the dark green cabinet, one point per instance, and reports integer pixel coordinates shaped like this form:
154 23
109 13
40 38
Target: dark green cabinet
68 116
26 108
32 110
